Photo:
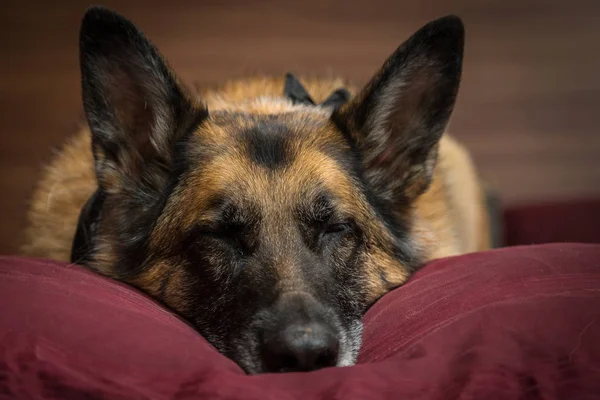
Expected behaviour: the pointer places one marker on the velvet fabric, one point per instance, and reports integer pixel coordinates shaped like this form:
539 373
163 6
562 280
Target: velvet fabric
513 323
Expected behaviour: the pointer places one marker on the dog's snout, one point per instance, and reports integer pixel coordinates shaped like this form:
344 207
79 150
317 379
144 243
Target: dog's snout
299 334
301 348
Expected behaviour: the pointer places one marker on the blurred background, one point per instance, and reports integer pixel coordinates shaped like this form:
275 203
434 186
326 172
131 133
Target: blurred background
528 108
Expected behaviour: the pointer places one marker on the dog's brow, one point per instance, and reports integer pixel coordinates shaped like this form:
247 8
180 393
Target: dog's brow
315 207
214 207
223 209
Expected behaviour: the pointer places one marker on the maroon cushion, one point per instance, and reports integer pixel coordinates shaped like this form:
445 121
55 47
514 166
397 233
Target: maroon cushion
512 323
560 221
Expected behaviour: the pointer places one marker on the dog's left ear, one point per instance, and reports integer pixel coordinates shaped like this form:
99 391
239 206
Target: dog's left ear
397 120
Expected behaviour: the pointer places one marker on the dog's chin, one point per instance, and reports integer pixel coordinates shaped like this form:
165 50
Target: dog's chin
247 355
350 342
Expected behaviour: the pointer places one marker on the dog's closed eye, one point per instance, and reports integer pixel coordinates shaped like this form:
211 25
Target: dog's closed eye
337 228
236 237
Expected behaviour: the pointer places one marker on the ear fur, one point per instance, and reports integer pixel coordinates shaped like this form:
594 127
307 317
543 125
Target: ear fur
136 109
398 119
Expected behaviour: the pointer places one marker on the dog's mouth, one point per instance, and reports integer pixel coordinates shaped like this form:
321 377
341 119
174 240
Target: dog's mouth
298 351
298 336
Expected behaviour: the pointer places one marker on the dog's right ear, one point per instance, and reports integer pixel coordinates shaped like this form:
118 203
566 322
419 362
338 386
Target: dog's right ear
136 109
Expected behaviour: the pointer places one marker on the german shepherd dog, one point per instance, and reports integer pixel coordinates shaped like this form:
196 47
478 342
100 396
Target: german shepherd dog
269 213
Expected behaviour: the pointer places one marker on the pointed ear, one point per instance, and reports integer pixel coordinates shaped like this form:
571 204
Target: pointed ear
397 121
135 107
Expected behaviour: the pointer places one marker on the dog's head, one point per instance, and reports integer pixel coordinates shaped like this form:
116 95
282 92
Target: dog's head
270 229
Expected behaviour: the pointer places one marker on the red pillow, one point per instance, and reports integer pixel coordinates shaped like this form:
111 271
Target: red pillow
515 323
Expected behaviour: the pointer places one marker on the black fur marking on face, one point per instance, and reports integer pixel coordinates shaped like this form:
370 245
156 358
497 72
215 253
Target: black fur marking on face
267 145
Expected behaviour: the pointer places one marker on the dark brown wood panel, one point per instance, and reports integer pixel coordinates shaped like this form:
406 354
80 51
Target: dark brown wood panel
528 108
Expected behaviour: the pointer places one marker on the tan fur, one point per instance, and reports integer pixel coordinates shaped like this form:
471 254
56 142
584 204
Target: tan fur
65 186
449 218
451 213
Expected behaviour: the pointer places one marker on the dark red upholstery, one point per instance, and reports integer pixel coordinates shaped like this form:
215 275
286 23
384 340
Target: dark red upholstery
518 323
567 221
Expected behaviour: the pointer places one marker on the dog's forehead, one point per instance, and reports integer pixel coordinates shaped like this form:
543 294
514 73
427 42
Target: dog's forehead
301 123
270 142
267 159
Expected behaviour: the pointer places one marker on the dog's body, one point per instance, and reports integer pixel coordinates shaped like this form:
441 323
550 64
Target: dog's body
249 207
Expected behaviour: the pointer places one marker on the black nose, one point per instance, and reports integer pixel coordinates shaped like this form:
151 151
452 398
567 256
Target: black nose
300 348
